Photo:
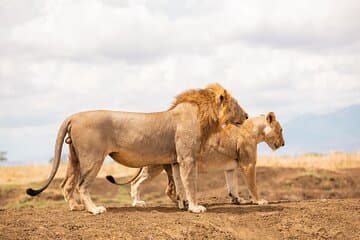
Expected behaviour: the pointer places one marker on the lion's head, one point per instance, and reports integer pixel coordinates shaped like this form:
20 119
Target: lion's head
273 132
216 107
231 112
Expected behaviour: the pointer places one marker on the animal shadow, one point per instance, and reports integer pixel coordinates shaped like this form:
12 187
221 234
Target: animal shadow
243 208
211 208
164 209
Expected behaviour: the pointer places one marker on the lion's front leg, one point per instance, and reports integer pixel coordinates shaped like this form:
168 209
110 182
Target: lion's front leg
188 172
187 150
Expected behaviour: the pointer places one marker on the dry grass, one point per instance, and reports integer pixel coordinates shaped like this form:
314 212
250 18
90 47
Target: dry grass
335 161
332 161
37 173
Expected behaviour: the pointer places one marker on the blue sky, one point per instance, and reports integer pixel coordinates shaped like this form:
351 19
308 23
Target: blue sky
61 57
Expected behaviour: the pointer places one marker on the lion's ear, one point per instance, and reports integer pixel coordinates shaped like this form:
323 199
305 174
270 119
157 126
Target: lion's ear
221 98
270 117
219 92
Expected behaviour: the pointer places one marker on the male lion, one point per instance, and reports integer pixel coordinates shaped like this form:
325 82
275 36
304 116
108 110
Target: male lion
141 139
229 149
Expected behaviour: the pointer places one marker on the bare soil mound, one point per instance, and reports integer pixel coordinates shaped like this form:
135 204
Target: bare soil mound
315 204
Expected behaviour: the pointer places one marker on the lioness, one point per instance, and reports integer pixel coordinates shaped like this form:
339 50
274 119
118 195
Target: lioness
141 139
232 148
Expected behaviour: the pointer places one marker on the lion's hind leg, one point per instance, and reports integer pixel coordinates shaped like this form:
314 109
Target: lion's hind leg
91 163
71 180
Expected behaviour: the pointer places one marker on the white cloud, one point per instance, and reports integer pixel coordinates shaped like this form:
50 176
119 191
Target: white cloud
62 57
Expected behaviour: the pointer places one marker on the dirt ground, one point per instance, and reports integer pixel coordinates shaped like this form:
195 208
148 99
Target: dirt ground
317 204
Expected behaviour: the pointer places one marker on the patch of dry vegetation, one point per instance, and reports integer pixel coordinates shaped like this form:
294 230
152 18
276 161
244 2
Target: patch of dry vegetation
39 173
332 161
17 175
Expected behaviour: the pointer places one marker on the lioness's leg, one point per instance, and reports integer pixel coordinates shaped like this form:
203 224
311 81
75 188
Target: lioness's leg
180 192
71 180
90 165
232 186
249 172
147 174
170 189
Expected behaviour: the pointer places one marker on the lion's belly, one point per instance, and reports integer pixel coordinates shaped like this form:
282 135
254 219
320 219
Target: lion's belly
137 159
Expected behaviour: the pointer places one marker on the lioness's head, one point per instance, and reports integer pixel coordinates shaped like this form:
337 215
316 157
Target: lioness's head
273 132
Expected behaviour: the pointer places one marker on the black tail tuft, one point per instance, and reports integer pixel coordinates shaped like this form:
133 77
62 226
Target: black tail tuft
32 192
111 179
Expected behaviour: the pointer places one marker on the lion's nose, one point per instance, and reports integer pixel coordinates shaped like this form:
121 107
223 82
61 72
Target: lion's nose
246 116
283 144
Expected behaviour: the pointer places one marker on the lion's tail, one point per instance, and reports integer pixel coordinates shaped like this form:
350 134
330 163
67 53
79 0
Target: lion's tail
58 148
113 181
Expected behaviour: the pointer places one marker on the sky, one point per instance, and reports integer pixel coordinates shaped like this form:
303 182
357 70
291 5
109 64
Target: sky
61 57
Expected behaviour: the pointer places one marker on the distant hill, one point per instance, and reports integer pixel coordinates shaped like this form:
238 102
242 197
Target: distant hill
336 131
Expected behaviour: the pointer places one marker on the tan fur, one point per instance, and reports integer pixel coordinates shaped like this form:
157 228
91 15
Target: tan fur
232 148
208 109
140 139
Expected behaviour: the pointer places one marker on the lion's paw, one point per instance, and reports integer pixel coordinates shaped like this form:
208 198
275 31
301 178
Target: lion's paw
182 203
98 210
77 207
138 204
172 196
238 200
197 209
262 202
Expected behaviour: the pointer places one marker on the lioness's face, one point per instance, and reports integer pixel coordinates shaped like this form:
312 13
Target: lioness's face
273 132
233 113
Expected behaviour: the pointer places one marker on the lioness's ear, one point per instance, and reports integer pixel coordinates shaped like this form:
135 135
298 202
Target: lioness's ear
270 117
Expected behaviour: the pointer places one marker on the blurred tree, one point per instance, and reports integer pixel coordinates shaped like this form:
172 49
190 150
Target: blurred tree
3 156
